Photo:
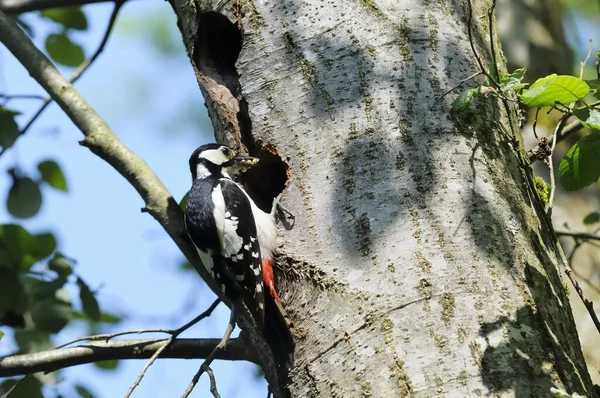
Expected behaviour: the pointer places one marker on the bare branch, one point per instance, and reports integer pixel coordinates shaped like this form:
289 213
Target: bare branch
13 7
460 83
49 361
102 141
82 68
587 57
578 235
588 304
213 383
172 332
205 367
167 343
7 97
13 387
556 137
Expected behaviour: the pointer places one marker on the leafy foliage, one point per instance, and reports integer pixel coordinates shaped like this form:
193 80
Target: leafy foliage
554 89
62 50
592 218
24 197
514 81
59 45
53 175
9 131
69 17
88 301
581 165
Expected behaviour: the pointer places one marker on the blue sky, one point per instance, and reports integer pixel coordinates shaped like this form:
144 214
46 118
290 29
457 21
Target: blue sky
152 102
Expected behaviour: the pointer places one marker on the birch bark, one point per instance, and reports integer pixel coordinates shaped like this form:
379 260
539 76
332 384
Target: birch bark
421 263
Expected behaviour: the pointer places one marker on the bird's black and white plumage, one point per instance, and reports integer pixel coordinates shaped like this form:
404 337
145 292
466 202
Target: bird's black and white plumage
235 240
221 224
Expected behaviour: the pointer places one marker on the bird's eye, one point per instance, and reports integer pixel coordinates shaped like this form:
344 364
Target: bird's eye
226 151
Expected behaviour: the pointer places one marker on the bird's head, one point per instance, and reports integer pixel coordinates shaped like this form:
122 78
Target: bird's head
217 159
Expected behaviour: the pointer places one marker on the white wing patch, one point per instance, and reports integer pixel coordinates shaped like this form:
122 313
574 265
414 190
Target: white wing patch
207 260
231 242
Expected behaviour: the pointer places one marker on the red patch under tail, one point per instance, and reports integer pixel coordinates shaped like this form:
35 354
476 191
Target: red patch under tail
269 278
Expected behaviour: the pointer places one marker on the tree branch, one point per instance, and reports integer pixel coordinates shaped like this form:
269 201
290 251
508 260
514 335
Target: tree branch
14 7
102 141
49 361
578 235
81 69
168 342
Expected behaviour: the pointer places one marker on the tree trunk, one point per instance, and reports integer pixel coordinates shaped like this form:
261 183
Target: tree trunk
421 262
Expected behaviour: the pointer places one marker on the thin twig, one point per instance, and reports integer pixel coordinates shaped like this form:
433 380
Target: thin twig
556 137
588 304
168 342
213 383
108 337
463 81
9 97
14 387
491 25
535 124
578 235
587 57
84 66
470 32
206 364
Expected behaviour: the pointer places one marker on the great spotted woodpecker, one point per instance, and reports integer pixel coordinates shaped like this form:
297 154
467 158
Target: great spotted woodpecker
235 240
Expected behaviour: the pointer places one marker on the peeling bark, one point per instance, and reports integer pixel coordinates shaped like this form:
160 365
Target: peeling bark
421 263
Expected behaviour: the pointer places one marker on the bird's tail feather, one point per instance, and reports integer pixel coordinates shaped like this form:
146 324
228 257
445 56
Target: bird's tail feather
278 332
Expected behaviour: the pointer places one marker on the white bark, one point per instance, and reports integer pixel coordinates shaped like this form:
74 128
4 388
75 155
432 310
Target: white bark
418 265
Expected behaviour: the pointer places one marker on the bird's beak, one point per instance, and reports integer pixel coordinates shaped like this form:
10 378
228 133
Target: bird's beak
246 161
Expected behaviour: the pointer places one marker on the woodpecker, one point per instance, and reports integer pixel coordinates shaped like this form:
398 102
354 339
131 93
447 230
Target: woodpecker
235 240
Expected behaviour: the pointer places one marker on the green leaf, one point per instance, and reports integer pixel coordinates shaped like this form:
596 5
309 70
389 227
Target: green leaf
580 167
590 118
52 314
83 391
591 218
44 245
1 334
513 81
518 74
110 364
29 387
88 301
109 318
24 198
16 247
12 294
594 84
464 99
62 50
69 17
43 290
552 89
9 130
61 265
53 175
